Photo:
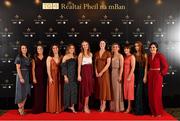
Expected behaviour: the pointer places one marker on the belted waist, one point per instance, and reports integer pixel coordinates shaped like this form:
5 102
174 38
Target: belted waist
24 69
115 67
154 69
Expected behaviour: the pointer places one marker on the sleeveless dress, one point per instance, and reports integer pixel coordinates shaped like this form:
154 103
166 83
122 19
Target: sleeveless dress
117 104
141 97
39 101
128 84
53 98
87 82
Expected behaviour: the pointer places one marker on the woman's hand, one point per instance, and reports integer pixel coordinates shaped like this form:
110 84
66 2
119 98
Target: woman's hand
79 78
51 81
22 81
34 81
120 79
144 80
129 78
66 80
100 74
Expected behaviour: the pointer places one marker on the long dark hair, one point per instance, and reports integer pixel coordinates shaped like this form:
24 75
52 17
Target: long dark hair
36 54
51 51
104 40
155 44
129 46
20 52
140 58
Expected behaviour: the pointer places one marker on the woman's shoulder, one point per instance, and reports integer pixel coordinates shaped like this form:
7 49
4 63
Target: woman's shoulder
96 54
49 58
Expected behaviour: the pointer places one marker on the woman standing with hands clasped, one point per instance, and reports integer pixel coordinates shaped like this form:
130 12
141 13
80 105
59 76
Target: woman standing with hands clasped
102 63
117 63
22 62
129 66
53 98
85 76
69 71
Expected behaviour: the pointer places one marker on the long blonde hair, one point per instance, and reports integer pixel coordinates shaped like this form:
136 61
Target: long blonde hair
82 50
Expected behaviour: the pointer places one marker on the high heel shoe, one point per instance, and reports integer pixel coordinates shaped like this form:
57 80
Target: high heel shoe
128 111
21 111
86 110
103 108
72 109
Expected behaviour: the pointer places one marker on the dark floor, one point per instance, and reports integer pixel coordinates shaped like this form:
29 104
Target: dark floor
173 111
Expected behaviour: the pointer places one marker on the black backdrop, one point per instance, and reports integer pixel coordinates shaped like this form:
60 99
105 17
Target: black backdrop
147 20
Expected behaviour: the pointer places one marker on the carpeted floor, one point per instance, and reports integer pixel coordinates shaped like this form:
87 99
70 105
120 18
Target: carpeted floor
12 114
174 112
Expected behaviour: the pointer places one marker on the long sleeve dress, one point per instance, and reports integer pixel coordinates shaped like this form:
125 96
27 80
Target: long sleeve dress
69 68
155 80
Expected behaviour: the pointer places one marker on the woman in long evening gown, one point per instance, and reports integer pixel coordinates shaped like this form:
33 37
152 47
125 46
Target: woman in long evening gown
129 66
85 76
22 62
141 97
39 74
102 63
117 62
69 71
157 68
53 97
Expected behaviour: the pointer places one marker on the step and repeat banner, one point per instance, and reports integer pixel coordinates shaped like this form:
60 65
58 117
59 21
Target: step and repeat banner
65 21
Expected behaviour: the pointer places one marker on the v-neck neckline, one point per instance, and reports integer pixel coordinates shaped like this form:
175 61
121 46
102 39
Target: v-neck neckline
152 58
55 61
102 54
41 58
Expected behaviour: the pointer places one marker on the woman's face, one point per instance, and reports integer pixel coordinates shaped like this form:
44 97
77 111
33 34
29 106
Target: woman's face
126 51
115 48
102 45
153 49
137 47
23 49
85 46
39 50
55 49
71 49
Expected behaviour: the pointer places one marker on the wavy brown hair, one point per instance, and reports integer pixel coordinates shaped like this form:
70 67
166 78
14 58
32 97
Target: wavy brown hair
20 52
68 47
51 51
36 54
